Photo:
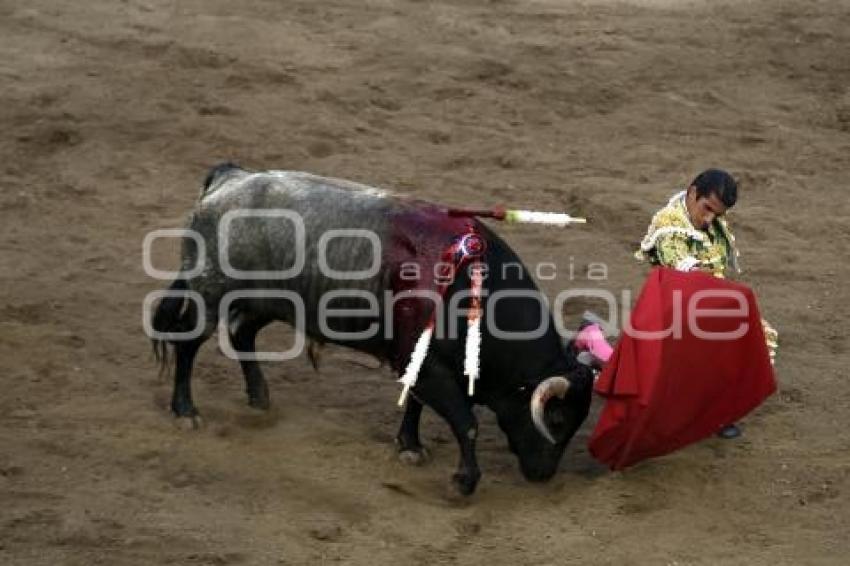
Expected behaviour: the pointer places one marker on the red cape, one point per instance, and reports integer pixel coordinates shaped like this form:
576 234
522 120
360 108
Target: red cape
663 393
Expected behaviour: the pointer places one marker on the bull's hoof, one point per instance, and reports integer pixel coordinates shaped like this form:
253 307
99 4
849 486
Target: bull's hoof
193 422
414 456
258 395
465 484
260 403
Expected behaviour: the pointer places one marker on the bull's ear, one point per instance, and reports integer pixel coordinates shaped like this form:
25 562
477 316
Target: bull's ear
546 392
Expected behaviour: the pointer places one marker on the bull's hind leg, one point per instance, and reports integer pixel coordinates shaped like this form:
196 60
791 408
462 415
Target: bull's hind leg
243 336
410 449
181 398
438 388
184 353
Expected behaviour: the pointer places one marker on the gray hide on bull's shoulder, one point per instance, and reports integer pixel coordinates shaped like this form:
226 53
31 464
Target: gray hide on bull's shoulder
258 243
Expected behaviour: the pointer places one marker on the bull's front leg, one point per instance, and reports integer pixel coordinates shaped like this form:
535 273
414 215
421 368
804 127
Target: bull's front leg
438 388
410 449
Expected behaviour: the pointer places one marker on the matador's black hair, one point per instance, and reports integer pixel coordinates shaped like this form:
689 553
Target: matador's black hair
719 182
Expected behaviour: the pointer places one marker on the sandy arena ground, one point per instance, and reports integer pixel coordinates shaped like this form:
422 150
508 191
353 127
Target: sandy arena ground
111 113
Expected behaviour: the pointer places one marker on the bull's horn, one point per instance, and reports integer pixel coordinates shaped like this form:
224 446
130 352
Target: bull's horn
548 388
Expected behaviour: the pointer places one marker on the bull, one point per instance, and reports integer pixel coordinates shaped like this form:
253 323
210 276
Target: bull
538 391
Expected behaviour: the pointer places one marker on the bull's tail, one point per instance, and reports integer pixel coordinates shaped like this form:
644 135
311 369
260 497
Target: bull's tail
168 318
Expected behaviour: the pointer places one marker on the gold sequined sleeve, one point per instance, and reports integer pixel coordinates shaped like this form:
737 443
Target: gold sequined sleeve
672 250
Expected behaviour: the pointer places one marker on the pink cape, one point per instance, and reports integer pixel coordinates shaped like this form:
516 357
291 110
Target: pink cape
663 393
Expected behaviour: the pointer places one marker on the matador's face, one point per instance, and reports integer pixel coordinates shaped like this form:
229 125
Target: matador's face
703 210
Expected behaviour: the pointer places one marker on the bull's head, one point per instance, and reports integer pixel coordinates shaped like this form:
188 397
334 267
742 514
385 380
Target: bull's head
540 421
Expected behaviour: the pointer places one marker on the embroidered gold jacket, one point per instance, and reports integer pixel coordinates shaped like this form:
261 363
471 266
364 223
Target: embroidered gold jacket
673 241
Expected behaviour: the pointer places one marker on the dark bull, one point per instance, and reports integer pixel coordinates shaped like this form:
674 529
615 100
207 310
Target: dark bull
539 393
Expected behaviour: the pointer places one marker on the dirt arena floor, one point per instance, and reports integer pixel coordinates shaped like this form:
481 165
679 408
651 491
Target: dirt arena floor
111 113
